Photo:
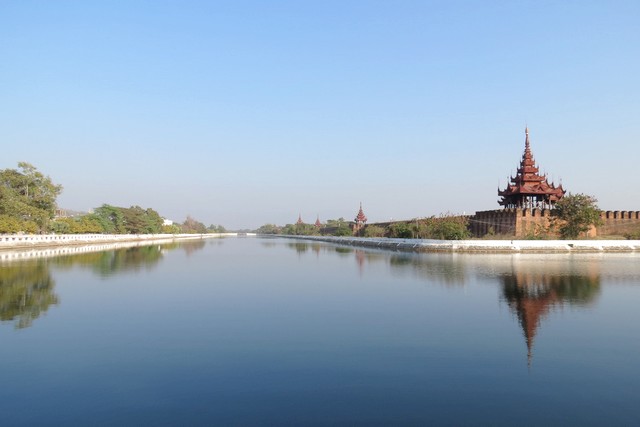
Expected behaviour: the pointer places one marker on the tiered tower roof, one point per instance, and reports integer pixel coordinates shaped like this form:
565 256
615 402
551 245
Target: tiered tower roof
528 188
318 223
360 218
299 220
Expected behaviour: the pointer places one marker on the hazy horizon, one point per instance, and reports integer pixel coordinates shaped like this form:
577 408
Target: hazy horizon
245 113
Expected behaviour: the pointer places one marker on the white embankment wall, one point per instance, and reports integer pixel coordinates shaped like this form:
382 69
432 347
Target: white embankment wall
424 245
31 240
20 247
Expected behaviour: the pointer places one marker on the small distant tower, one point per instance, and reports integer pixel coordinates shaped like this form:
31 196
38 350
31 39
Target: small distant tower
318 223
299 222
360 220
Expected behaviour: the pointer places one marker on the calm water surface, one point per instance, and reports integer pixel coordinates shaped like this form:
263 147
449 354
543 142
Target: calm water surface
263 331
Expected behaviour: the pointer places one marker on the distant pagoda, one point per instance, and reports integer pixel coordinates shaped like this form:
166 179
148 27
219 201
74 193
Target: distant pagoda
318 223
529 189
360 220
299 222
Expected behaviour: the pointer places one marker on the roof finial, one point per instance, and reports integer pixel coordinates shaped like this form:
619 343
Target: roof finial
526 133
360 218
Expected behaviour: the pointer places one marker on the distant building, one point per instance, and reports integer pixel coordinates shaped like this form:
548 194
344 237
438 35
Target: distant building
360 220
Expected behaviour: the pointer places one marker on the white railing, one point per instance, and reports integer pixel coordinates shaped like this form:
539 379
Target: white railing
15 240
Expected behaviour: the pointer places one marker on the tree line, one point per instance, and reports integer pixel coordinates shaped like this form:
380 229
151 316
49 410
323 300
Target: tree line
572 217
28 205
445 227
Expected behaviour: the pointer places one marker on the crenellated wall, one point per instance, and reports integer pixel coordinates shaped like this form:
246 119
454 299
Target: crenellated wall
619 223
500 221
522 223
532 222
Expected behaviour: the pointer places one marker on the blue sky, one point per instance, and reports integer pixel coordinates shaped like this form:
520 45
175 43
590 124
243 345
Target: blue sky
243 113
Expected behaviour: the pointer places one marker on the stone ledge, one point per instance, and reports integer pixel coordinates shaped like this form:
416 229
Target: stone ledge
481 246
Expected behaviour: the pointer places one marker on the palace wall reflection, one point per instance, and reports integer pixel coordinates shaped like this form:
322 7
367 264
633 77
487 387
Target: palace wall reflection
533 285
27 288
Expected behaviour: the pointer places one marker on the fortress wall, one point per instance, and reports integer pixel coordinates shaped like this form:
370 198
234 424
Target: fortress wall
533 222
619 223
502 221
522 223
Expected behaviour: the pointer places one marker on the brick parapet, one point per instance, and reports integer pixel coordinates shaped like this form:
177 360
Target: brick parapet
619 223
532 222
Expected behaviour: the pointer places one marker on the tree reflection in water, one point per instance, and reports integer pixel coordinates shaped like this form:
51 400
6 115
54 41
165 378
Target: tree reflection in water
443 269
27 288
26 292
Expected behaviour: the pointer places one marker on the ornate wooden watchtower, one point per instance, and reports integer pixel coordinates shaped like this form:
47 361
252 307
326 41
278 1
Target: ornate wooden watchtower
529 189
360 220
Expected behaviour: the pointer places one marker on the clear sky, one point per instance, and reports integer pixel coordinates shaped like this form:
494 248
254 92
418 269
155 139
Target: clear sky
243 113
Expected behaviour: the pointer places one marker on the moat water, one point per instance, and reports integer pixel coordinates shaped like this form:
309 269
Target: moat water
250 331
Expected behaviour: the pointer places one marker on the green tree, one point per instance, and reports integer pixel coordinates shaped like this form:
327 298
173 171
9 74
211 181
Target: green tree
400 230
374 231
141 221
336 222
343 230
111 219
10 224
449 227
306 230
28 195
268 229
575 214
193 226
216 229
171 229
85 224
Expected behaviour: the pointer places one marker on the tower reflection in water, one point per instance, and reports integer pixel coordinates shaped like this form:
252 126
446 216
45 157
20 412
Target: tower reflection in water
533 290
532 286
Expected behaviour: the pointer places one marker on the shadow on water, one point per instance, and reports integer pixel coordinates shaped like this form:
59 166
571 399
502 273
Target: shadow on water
27 287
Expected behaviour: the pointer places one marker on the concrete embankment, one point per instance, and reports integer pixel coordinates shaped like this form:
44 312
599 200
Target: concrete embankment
482 246
16 241
26 247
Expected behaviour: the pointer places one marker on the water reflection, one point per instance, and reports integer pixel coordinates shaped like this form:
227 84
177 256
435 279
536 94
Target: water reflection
25 293
108 263
532 293
444 269
531 286
299 247
27 287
